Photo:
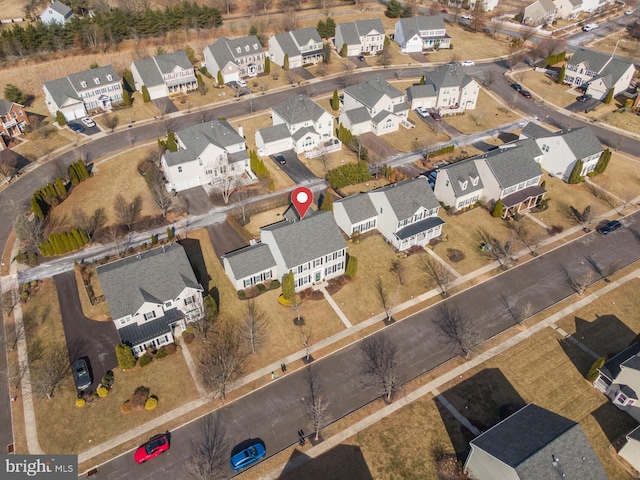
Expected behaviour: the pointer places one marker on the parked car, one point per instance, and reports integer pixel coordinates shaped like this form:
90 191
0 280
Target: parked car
444 10
423 112
75 126
280 159
436 116
589 26
152 448
525 93
88 122
609 227
466 16
516 86
242 83
248 456
583 98
467 63
81 374
361 58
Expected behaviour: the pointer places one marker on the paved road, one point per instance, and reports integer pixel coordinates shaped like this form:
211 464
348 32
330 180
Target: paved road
276 412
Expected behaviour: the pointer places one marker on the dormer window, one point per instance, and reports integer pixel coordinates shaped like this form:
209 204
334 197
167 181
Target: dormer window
247 48
83 84
255 46
97 80
463 185
109 77
239 50
474 181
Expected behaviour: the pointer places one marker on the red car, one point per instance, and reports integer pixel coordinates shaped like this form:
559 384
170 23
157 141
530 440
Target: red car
155 446
444 10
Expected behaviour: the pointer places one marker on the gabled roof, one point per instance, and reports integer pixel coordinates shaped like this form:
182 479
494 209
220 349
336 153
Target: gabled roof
370 92
534 130
250 260
60 8
168 61
541 445
225 50
352 31
358 207
421 91
582 142
6 106
149 72
413 25
461 172
134 334
61 90
358 115
408 196
548 5
303 36
316 235
105 75
152 69
301 132
158 275
514 162
287 44
198 137
298 109
274 133
612 367
608 67
449 76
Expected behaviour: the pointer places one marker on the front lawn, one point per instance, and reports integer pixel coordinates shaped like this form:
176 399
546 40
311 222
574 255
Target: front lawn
488 114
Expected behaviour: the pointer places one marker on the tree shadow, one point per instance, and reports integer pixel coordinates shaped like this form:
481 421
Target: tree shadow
196 259
343 462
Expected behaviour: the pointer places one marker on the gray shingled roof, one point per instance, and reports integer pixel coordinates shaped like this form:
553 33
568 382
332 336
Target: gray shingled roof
312 237
358 207
418 227
200 136
349 33
358 115
149 73
5 106
535 130
226 50
611 369
408 196
421 91
158 275
61 90
413 25
61 8
167 62
463 171
303 36
274 133
287 44
548 5
609 68
380 117
89 76
134 334
298 109
449 76
370 92
513 163
250 260
240 156
298 134
582 142
352 31
530 440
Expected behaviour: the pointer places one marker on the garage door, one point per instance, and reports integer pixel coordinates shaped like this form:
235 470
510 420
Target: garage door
75 114
277 147
185 184
231 77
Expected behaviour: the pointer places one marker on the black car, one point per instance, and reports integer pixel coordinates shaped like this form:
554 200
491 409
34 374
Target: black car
81 374
361 58
583 98
280 159
516 86
609 227
525 93
76 127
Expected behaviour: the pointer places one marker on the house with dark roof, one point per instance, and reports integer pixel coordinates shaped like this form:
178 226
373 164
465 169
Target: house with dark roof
533 444
619 379
235 59
373 106
151 295
362 37
311 247
510 173
405 213
13 119
299 124
415 34
164 75
56 12
447 89
76 94
562 150
208 153
540 12
300 47
598 72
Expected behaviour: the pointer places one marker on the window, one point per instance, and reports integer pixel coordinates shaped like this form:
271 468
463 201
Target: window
125 320
239 50
247 48
83 84
189 300
317 262
179 169
97 81
545 147
109 77
150 315
168 304
200 161
255 46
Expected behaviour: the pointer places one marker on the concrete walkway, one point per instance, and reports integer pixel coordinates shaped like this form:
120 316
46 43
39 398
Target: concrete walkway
454 411
335 307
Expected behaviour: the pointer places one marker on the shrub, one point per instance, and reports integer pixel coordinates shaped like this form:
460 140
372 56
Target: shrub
242 295
593 373
261 287
171 348
107 379
145 360
139 398
146 98
161 353
188 337
498 209
80 402
151 403
288 286
349 174
102 391
274 284
352 267
125 357
60 119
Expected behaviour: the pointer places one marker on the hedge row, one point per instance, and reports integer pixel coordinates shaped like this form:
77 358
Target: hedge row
63 242
349 174
443 150
78 172
47 196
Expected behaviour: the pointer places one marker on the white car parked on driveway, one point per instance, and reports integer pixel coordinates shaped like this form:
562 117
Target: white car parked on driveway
423 112
589 26
88 122
467 63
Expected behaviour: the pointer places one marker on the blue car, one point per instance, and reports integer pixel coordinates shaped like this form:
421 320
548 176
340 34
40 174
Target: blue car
248 456
76 127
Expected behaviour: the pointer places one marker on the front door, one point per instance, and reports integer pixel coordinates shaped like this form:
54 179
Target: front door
318 276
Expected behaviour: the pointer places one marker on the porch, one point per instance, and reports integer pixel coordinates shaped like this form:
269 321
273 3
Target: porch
325 147
418 233
522 201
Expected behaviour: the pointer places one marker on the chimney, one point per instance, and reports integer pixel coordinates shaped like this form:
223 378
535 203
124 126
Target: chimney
241 131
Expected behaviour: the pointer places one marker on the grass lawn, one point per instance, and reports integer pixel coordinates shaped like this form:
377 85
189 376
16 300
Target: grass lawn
627 121
251 124
97 191
37 146
365 186
130 115
359 299
469 45
406 140
621 177
555 383
333 160
538 82
262 219
487 114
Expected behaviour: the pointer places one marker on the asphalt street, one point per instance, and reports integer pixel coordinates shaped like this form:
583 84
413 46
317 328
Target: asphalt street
276 412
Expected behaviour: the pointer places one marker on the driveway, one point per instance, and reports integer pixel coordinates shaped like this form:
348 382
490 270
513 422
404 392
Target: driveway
303 73
418 57
197 199
377 145
96 341
294 168
164 105
583 106
224 238
362 63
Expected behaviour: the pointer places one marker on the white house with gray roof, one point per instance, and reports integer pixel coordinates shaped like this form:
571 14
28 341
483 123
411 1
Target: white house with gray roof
568 9
373 106
533 444
150 295
563 149
299 124
78 93
164 75
448 89
598 73
362 37
56 12
459 185
405 213
235 59
540 12
415 34
312 248
301 47
208 153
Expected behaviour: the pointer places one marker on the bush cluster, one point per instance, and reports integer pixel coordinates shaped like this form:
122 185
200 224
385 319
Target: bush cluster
151 403
257 165
77 172
592 374
102 391
442 151
63 242
348 174
48 196
145 360
161 353
555 58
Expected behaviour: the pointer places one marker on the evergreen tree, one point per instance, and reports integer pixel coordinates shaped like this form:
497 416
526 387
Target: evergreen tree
60 119
220 78
267 65
128 83
288 286
171 144
335 101
343 50
146 98
73 174
576 176
72 240
14 94
422 80
407 11
352 267
126 97
609 96
285 65
387 42
322 29
125 357
61 190
327 202
603 161
561 75
498 209
36 208
394 9
330 27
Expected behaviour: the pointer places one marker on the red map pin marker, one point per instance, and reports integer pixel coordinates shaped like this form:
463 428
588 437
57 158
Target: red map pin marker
301 198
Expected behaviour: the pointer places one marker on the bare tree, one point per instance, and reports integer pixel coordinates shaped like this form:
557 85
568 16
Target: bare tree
30 232
324 158
529 238
17 332
241 200
496 249
8 167
582 218
89 224
496 25
519 315
155 181
315 403
386 301
385 58
488 78
111 121
438 273
579 281
127 213
209 452
379 365
49 372
456 329
307 339
209 309
10 299
114 239
291 77
526 33
222 360
255 325
399 269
